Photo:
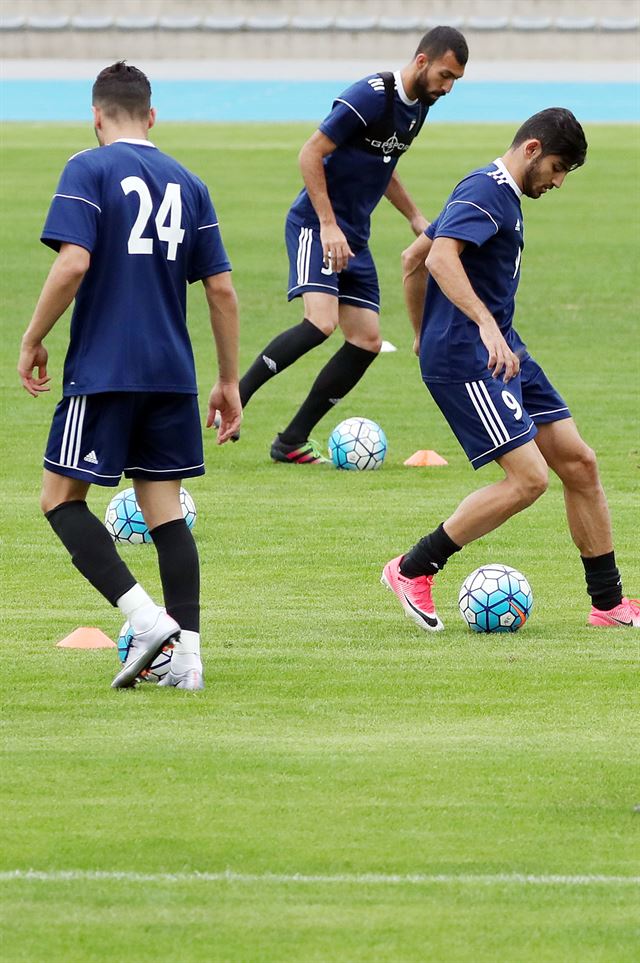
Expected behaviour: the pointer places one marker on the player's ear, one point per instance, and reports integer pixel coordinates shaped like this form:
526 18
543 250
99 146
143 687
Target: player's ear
152 117
97 117
532 149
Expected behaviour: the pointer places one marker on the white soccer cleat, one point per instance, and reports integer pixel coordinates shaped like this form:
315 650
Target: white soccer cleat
192 680
145 647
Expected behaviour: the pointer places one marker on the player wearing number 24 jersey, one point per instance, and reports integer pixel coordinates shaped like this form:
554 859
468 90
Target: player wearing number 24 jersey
149 225
496 399
131 227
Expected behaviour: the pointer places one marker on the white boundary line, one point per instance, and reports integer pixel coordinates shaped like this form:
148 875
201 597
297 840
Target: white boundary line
358 879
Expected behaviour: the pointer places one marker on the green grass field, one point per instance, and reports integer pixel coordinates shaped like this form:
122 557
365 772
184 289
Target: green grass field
337 751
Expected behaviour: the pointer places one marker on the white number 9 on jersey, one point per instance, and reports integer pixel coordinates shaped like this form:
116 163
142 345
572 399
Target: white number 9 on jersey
512 403
170 209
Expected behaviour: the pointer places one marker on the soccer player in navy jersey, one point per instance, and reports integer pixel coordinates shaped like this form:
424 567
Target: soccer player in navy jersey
347 165
495 397
131 227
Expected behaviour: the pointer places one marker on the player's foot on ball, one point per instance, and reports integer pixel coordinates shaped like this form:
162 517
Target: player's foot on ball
192 679
145 646
217 421
627 613
414 595
306 453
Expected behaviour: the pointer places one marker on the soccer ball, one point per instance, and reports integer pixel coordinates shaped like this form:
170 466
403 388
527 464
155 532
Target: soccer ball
357 444
495 598
188 508
125 522
160 665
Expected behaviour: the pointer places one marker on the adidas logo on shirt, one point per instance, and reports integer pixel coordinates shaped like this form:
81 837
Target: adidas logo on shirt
377 83
498 176
518 224
270 363
91 457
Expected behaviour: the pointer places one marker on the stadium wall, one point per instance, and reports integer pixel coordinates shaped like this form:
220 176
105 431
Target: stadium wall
588 30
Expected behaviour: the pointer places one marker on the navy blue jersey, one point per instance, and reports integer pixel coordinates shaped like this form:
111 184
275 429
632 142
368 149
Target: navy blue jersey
483 210
150 227
360 168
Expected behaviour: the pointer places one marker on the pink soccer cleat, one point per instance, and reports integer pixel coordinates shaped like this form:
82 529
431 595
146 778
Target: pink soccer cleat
414 595
627 614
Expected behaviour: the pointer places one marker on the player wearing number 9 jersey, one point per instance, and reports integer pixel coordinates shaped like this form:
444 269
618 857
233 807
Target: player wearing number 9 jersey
132 227
497 400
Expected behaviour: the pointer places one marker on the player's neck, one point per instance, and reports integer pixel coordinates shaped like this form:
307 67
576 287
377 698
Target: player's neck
513 163
113 132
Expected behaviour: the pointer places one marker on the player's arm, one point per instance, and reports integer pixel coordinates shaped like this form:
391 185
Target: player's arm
414 282
398 195
58 291
446 268
335 246
225 324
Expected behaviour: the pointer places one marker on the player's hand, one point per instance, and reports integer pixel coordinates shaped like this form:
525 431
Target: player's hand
419 224
225 398
33 356
335 248
502 360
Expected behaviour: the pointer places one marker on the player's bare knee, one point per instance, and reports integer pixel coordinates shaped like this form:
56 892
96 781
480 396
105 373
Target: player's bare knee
528 488
582 470
537 484
326 325
372 343
50 500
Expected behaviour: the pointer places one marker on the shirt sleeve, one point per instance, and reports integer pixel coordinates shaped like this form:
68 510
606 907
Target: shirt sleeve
74 213
473 213
208 256
356 108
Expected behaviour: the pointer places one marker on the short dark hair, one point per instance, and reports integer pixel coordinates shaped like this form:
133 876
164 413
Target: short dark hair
558 132
438 41
122 87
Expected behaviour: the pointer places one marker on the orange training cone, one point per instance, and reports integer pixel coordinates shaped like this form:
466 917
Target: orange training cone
426 457
86 638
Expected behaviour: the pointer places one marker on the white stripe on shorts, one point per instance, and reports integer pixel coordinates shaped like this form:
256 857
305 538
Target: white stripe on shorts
83 405
305 239
487 413
72 434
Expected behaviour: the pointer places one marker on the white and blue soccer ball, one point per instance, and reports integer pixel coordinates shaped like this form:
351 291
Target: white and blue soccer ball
495 598
125 522
160 665
358 444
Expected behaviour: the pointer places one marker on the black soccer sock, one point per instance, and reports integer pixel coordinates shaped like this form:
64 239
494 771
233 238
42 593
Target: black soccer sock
429 555
91 548
279 354
604 584
179 572
341 373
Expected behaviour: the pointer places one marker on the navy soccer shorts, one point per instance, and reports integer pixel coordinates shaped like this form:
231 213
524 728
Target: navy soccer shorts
153 435
357 284
490 418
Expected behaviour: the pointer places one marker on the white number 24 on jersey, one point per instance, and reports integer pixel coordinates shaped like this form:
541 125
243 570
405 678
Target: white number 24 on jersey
170 211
